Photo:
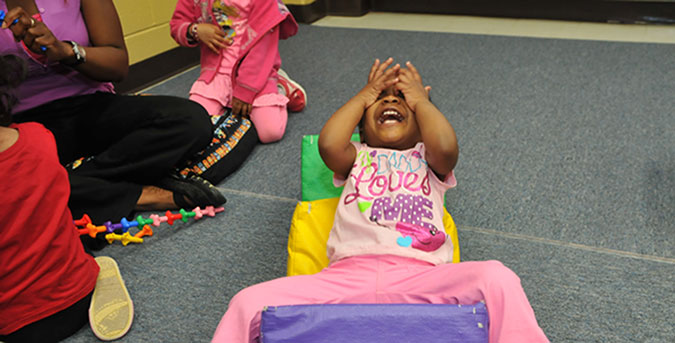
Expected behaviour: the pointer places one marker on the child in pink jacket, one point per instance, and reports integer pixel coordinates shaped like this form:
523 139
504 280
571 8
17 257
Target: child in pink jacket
240 60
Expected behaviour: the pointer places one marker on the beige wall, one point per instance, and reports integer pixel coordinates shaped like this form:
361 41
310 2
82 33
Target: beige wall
146 25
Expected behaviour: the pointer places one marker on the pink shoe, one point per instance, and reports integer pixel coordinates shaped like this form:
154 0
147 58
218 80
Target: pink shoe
297 97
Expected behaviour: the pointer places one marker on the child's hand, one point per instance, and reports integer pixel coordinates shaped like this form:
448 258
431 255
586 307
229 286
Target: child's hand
380 78
213 36
240 107
410 84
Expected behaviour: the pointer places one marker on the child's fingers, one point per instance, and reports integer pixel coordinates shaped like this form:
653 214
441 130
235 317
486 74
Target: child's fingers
236 108
405 75
414 71
219 32
373 69
390 82
410 75
219 44
391 73
213 47
382 69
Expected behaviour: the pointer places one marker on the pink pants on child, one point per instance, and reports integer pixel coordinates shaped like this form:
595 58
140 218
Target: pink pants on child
269 117
386 279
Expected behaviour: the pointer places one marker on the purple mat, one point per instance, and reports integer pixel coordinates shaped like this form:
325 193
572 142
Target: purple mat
390 323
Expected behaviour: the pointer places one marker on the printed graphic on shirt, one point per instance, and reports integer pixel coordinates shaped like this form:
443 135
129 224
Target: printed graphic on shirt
223 15
395 188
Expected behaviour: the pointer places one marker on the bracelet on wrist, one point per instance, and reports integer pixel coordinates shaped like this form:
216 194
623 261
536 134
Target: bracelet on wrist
79 53
192 32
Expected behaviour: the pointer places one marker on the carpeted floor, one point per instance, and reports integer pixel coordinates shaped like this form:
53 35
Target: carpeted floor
566 175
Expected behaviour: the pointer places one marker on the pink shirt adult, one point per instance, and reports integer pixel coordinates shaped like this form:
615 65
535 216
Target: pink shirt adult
392 204
52 81
44 268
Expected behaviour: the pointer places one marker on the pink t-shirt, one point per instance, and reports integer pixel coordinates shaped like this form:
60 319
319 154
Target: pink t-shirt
220 88
392 203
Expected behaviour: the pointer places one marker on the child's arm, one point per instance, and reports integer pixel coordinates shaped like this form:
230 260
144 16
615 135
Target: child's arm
439 137
254 70
334 140
183 16
186 31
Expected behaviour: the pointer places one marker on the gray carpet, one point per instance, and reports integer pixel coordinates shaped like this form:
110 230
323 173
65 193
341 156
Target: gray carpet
566 175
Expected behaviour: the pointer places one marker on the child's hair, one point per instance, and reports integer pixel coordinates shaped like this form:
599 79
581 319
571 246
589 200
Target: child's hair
12 73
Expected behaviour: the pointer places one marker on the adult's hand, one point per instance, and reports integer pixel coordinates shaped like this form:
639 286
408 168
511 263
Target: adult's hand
36 36
106 57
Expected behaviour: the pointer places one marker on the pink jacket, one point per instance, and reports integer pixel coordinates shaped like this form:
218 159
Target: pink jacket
250 75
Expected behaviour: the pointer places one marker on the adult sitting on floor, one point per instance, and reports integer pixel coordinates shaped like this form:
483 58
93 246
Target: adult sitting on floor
120 151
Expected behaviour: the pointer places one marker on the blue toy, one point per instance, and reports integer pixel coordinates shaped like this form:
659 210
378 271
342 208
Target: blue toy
2 17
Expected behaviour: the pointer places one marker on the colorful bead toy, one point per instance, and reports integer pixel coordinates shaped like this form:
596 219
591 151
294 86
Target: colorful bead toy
86 227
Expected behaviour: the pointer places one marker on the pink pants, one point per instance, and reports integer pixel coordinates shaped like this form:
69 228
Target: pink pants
391 279
270 121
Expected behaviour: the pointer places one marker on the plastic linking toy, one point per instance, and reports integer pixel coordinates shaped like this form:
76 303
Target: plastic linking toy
86 227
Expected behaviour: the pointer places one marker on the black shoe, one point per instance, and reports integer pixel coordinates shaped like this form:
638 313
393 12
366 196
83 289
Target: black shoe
192 191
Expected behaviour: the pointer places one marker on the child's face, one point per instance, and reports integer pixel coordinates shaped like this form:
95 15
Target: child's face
390 123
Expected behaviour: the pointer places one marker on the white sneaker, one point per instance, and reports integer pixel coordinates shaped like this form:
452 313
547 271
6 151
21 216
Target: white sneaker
297 97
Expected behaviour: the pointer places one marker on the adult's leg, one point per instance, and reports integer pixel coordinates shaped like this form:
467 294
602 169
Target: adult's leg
134 141
55 327
511 316
233 141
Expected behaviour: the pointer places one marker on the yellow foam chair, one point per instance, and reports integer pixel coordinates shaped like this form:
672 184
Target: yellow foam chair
313 216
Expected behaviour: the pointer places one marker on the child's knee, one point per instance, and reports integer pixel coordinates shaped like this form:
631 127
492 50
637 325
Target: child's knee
245 302
270 122
496 272
269 135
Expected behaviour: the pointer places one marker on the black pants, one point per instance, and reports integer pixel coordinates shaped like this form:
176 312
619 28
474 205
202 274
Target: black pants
127 142
55 327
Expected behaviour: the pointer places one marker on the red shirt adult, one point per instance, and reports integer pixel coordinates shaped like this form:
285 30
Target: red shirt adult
43 266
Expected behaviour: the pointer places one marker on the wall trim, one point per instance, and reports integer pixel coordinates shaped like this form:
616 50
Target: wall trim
627 11
308 14
155 69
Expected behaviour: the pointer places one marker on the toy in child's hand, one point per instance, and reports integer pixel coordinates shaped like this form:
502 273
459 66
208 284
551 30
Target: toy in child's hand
85 225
